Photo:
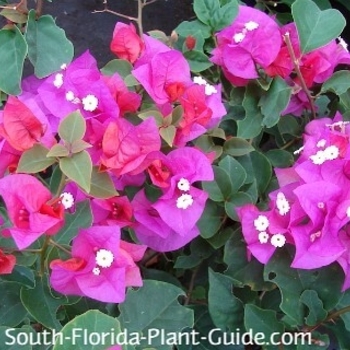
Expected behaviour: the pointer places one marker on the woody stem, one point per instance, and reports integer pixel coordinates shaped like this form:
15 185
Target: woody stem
43 255
295 61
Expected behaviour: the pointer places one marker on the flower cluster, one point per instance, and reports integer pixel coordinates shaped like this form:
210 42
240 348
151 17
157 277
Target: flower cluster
102 262
311 207
254 46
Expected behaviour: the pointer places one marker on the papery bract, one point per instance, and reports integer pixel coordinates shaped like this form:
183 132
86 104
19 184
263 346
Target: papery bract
7 263
31 209
126 44
125 146
101 267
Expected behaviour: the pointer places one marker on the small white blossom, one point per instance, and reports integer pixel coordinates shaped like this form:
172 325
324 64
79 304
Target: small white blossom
261 223
348 212
263 237
299 150
90 103
331 152
96 271
321 205
251 25
70 96
278 240
318 158
238 37
183 185
210 89
184 201
67 200
104 258
199 81
342 43
321 143
63 66
58 82
315 235
282 204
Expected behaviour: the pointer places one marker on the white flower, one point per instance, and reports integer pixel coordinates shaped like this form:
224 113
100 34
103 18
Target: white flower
261 223
299 150
321 205
210 89
96 271
183 185
348 212
251 25
67 200
184 201
342 43
331 152
318 158
199 81
70 96
104 258
278 240
90 103
282 204
321 143
263 237
315 235
58 82
238 37
63 66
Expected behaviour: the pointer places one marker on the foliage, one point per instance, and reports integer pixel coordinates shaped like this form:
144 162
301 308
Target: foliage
191 194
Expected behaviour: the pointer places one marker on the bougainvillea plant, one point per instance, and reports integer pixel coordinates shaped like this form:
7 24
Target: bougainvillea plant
193 193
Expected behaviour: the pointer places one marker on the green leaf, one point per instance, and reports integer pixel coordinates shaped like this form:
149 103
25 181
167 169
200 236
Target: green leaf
102 185
220 188
315 27
187 28
338 83
235 201
35 160
58 150
280 158
91 322
14 15
9 338
262 170
12 311
211 219
82 218
251 126
212 13
156 306
78 168
261 321
200 250
236 147
227 315
316 311
275 101
72 127
122 67
41 304
235 172
13 51
168 134
79 145
197 60
293 282
48 46
22 275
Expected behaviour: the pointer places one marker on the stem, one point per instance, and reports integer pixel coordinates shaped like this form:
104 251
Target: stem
295 61
130 18
57 245
140 5
329 318
39 8
43 255
191 286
